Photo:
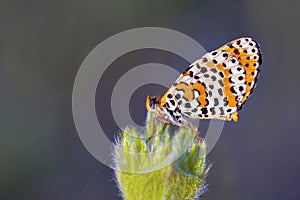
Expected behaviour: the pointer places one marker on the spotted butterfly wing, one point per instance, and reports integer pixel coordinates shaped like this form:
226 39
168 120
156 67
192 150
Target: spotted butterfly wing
217 85
248 53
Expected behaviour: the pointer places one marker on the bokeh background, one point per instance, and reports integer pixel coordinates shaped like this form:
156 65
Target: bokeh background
42 44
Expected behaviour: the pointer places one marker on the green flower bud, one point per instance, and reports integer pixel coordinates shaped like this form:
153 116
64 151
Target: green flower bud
161 166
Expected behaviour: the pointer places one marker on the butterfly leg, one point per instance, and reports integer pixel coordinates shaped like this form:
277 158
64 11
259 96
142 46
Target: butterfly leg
153 129
194 130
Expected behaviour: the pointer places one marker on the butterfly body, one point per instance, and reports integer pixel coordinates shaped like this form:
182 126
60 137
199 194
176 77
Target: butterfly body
214 87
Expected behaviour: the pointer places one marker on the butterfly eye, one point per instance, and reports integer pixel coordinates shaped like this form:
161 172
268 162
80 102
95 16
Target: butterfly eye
152 103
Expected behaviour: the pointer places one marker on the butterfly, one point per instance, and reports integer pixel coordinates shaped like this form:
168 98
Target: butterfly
214 87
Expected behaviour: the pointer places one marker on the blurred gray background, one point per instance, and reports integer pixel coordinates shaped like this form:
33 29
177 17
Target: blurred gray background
42 44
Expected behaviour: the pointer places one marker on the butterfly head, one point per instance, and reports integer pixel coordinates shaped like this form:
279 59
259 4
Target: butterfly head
151 103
